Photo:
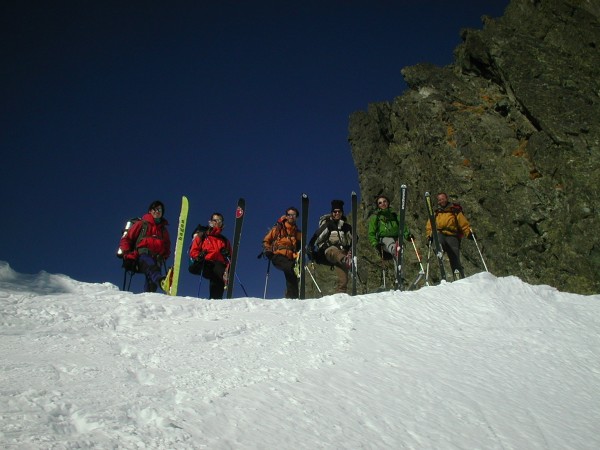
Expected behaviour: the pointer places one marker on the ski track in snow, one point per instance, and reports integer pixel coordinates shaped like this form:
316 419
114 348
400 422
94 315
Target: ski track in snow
462 365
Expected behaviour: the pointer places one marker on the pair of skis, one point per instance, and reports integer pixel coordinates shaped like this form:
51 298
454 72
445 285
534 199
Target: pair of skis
399 259
439 253
171 283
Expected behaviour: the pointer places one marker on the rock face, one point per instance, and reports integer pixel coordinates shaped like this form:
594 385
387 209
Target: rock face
511 130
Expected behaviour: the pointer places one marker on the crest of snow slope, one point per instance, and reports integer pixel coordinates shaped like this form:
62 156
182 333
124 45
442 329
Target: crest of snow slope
484 362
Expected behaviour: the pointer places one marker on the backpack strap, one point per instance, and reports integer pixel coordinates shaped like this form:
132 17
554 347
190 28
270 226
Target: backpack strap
456 209
141 236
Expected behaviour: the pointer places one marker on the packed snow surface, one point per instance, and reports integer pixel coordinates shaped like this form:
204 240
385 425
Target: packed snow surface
485 362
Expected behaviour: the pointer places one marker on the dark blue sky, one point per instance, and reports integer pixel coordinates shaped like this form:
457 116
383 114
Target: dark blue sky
107 106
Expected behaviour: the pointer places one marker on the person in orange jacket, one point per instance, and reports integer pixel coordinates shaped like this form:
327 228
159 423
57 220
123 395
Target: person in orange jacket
146 245
452 226
209 255
281 245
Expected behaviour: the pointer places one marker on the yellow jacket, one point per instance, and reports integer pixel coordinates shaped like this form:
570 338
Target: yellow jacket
450 221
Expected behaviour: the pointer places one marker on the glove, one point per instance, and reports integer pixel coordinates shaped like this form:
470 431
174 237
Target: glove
472 236
410 237
201 256
130 265
310 253
269 254
225 252
429 240
131 255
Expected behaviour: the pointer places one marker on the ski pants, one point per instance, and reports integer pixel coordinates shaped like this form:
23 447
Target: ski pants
214 271
389 245
149 267
286 265
336 256
451 245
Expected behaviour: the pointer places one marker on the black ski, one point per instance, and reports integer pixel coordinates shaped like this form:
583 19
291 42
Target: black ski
304 242
237 235
400 248
354 238
436 241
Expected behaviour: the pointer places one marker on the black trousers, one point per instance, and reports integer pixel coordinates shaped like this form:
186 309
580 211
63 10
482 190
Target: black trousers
212 271
451 245
286 265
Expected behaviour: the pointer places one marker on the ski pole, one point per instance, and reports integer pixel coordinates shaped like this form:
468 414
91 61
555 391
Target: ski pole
200 281
477 245
237 277
419 259
127 286
428 259
199 286
313 278
267 279
241 285
383 268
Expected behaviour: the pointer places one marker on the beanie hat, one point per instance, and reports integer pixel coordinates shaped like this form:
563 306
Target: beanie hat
337 204
156 204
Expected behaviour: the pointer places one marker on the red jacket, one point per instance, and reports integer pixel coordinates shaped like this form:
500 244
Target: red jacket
211 242
155 241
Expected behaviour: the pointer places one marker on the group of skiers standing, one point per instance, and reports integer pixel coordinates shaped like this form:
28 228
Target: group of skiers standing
146 245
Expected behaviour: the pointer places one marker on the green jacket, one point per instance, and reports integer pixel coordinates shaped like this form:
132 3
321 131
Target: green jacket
384 223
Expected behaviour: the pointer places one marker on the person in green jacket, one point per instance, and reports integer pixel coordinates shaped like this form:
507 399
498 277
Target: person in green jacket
383 228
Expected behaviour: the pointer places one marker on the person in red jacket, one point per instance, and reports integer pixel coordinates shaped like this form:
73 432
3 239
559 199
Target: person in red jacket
209 255
147 244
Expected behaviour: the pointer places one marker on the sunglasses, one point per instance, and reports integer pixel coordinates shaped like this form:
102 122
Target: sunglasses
382 202
291 215
336 211
158 210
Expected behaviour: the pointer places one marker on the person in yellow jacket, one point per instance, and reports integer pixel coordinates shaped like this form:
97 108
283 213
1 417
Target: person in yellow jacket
452 226
281 245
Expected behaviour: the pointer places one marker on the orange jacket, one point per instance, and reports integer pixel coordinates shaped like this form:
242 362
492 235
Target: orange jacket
283 239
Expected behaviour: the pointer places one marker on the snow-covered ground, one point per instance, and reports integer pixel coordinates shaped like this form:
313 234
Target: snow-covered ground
485 362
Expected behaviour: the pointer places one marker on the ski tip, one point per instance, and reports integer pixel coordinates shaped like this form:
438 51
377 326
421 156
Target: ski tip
353 194
426 194
304 195
403 186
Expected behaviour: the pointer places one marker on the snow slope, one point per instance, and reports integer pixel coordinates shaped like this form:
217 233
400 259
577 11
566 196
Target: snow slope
485 362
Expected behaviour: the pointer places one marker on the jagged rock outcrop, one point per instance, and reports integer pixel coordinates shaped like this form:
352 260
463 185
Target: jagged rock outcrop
511 130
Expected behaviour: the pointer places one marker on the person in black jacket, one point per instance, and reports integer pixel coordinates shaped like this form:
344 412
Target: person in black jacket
331 244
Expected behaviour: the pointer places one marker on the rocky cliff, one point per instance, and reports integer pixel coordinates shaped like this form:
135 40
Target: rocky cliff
511 130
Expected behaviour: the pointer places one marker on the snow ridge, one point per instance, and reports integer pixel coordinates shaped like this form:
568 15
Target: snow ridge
484 362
